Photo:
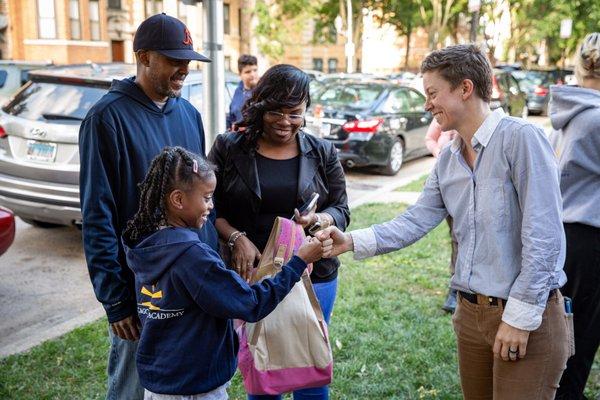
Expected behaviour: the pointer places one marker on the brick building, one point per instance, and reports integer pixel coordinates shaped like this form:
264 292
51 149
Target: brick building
77 31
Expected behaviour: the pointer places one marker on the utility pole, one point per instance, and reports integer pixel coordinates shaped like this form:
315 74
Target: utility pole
213 78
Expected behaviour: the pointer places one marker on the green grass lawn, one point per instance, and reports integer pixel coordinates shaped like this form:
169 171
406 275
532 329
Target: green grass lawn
414 186
389 336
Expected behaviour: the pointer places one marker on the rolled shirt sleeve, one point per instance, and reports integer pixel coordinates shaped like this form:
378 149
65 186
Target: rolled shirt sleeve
535 177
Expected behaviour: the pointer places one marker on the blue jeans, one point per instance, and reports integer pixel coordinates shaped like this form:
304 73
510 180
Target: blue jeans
326 294
123 379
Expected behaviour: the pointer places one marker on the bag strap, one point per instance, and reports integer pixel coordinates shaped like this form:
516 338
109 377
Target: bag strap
314 302
279 258
256 333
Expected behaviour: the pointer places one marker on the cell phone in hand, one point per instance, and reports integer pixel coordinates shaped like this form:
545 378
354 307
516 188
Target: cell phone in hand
306 207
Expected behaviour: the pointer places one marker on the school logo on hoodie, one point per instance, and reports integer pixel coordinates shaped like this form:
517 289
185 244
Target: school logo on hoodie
151 309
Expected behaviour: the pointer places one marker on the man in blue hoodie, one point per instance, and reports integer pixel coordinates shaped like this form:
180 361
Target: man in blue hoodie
248 69
118 139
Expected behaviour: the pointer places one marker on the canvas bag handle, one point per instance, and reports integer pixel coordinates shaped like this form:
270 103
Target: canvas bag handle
280 227
286 227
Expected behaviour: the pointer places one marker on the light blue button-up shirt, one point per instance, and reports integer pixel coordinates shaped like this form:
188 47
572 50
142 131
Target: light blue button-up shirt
507 217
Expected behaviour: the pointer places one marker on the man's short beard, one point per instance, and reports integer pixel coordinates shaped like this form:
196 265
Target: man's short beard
163 88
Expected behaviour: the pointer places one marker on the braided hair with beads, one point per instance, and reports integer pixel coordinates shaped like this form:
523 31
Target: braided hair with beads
174 168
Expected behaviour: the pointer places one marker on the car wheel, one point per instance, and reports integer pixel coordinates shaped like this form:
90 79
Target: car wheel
40 224
395 158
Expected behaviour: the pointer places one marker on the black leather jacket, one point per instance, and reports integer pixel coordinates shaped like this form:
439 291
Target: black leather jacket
238 198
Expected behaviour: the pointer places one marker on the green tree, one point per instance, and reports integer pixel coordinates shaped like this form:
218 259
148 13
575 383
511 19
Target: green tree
438 17
278 22
535 22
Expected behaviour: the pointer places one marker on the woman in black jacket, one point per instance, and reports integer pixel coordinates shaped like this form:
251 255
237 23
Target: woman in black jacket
271 169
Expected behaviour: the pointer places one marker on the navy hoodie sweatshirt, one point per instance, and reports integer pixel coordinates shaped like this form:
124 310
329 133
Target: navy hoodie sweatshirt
118 139
186 299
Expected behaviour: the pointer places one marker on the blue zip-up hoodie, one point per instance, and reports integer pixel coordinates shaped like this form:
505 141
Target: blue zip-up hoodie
118 139
237 103
186 299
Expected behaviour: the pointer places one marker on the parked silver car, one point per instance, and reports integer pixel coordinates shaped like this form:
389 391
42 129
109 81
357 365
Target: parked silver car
39 129
13 74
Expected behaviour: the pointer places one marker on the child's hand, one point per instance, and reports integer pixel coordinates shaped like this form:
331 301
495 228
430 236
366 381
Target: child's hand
311 250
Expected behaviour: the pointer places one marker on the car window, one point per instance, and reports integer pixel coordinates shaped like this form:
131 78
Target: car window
519 74
417 101
3 76
396 102
502 82
315 88
353 96
513 84
24 76
230 86
534 78
41 101
196 96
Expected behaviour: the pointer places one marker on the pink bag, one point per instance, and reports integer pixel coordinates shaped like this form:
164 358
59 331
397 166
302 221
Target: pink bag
289 349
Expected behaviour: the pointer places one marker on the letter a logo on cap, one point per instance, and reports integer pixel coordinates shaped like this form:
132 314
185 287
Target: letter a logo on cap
188 37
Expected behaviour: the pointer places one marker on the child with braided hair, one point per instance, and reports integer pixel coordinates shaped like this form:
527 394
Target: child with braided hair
186 295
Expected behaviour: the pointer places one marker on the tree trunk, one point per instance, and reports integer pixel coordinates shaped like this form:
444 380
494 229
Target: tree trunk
408 35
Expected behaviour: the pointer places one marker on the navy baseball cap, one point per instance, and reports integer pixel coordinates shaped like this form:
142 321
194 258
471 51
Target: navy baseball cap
167 36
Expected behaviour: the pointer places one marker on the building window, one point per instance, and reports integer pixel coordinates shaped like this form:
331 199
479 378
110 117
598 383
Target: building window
227 63
94 20
46 19
74 19
226 20
114 4
240 16
318 64
153 7
332 65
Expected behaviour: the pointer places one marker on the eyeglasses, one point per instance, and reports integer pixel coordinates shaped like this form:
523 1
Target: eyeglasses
277 116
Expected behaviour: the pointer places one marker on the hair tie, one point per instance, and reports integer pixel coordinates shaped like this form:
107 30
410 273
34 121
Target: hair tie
195 167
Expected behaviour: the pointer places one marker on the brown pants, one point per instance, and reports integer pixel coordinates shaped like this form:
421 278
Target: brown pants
534 377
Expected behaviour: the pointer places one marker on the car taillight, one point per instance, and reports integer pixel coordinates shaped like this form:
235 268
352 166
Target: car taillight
495 88
541 90
365 126
3 133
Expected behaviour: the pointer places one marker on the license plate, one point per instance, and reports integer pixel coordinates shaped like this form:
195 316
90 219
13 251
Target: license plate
41 151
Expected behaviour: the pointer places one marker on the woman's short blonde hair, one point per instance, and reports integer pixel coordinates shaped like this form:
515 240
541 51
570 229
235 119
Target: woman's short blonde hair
587 62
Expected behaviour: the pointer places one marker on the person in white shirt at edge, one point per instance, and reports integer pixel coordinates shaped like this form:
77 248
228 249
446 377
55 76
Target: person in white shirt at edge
499 181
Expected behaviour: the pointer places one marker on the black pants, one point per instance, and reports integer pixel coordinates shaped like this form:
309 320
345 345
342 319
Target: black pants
582 266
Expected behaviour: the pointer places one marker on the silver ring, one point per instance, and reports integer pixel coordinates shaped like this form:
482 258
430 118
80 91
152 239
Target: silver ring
513 351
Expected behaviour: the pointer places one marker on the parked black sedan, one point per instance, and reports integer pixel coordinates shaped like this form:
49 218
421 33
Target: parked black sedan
508 94
537 84
371 123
